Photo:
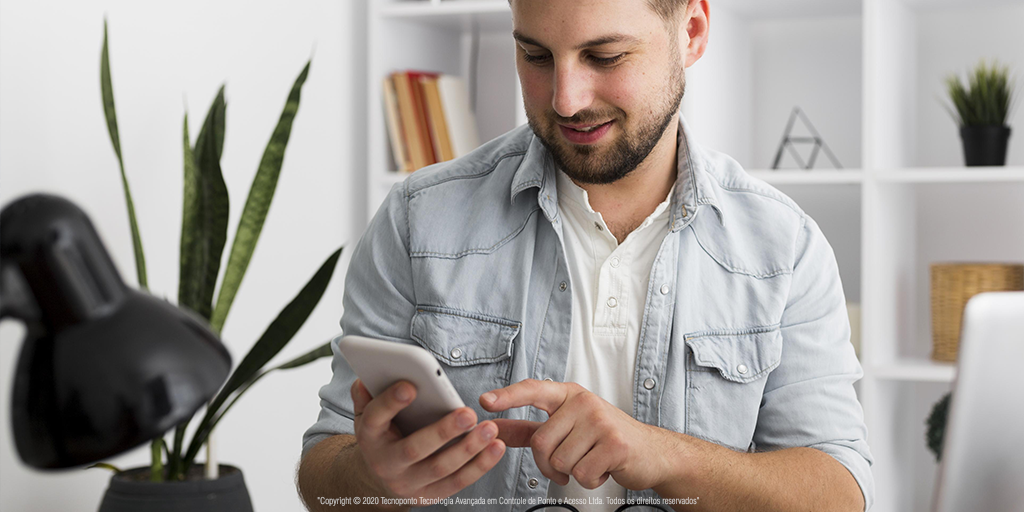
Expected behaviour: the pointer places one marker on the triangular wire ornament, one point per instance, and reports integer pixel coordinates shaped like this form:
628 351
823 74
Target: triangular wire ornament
789 142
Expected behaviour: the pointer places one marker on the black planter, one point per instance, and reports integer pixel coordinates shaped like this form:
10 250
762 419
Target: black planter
129 494
985 145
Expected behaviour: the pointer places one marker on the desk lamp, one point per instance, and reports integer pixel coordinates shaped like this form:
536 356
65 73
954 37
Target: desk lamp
103 368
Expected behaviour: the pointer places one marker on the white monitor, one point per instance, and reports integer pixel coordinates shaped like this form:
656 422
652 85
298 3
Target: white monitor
982 458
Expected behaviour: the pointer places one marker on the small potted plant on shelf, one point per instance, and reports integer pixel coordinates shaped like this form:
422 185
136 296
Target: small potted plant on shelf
981 109
174 481
936 423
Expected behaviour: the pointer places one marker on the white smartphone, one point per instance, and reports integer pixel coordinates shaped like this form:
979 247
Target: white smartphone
379 364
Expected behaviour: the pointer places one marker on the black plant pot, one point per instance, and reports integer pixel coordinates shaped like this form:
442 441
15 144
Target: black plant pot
985 145
131 491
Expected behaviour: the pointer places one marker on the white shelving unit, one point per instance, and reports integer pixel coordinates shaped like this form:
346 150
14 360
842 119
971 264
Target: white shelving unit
469 38
868 73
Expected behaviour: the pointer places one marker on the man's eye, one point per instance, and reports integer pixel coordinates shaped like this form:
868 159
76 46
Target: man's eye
607 61
536 59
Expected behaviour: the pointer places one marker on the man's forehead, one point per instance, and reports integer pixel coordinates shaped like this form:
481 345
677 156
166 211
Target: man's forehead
582 23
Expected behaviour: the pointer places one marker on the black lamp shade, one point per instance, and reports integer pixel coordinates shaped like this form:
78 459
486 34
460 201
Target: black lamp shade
103 368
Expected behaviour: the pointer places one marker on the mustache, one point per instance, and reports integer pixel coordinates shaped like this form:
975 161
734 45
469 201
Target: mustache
585 117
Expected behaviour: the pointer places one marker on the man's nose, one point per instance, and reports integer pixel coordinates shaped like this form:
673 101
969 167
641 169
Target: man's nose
573 90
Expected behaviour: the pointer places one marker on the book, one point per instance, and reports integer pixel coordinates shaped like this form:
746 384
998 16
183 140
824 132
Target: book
435 115
422 115
399 146
419 153
428 118
462 130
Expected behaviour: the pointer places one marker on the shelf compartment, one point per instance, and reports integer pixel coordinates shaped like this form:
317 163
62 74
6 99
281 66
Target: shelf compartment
741 93
788 8
904 469
470 39
909 54
489 14
953 175
809 177
915 370
915 224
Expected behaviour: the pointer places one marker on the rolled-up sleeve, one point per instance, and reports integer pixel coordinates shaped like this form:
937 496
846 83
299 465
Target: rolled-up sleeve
809 399
378 303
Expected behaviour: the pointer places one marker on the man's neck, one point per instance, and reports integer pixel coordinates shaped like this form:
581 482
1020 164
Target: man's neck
625 203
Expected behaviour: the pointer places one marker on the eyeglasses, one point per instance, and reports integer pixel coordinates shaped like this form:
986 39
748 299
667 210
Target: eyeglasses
571 508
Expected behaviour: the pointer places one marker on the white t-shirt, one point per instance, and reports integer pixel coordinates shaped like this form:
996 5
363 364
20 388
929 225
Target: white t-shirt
609 290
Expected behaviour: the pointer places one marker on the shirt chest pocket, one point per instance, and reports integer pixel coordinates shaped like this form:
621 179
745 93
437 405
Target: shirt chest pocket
474 350
726 373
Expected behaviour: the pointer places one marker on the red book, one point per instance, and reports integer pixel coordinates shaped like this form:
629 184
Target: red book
422 113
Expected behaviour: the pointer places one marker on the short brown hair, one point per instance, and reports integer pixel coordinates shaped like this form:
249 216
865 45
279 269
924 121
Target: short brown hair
667 9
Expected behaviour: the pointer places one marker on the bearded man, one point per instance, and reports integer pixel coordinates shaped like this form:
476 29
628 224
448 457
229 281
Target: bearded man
632 318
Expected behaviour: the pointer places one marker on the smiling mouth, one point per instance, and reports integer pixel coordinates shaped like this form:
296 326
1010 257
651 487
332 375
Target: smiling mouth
585 129
585 134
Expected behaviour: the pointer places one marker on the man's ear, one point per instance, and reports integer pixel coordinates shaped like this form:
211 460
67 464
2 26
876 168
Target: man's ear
693 30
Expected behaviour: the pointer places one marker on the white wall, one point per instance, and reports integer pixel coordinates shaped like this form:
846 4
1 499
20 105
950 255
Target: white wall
53 138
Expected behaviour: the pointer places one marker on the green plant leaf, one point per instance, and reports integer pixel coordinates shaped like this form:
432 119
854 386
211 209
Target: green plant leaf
261 193
111 114
985 100
104 465
156 468
187 264
277 335
174 469
321 351
936 426
204 222
317 353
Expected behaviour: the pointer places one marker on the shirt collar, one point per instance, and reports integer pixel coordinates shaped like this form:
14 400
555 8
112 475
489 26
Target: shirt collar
572 195
697 184
694 184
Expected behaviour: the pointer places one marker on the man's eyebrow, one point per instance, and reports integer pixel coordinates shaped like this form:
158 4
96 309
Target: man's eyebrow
608 39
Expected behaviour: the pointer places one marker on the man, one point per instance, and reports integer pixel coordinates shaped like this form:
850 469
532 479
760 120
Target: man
628 315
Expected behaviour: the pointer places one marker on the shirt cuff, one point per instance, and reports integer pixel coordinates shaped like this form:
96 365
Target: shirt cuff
853 455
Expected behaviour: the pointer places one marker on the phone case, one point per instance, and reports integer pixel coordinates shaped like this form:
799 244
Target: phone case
379 364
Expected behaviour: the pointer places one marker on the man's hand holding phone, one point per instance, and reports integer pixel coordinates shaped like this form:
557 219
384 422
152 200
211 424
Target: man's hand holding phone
407 466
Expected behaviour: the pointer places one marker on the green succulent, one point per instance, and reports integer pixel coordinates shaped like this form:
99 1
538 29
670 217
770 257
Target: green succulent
985 100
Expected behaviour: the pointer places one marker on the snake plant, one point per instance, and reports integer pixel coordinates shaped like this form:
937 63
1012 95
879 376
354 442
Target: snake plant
203 237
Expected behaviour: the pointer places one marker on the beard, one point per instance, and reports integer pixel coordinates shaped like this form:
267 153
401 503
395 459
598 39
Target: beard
599 166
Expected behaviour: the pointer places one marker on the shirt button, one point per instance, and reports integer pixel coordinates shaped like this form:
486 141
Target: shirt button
612 302
598 226
615 261
549 379
664 289
456 353
649 384
742 369
563 286
533 483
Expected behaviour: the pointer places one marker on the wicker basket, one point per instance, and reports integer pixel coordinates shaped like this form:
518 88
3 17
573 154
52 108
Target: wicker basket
952 285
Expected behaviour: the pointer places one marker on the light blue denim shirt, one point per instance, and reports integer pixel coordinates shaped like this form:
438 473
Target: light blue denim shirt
744 340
